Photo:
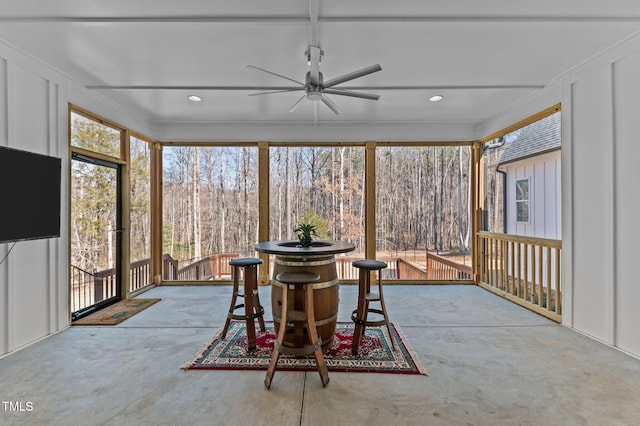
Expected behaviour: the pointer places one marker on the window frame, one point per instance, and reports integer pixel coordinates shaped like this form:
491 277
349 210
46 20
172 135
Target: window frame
523 202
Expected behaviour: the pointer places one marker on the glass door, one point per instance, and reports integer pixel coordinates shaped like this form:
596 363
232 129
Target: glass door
96 234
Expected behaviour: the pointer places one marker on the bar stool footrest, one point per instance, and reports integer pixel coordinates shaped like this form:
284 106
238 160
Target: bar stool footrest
369 323
298 352
258 314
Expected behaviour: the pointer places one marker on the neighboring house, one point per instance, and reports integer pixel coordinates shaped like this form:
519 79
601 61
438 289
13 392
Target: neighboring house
525 186
530 167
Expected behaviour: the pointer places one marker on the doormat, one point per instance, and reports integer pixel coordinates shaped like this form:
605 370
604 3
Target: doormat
116 313
376 354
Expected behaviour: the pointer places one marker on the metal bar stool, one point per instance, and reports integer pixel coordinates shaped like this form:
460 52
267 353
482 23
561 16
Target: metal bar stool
365 296
299 282
252 307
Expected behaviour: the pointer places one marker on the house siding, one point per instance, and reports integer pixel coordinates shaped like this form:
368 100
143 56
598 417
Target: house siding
545 206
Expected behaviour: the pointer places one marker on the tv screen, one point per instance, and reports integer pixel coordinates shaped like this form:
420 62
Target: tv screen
29 195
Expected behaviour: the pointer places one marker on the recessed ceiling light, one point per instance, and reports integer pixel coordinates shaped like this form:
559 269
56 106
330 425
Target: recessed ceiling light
436 98
194 98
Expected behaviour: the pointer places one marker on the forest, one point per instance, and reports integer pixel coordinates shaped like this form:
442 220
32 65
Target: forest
210 197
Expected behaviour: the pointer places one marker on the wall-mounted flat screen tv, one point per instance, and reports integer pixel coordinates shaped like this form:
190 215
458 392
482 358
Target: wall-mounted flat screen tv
29 195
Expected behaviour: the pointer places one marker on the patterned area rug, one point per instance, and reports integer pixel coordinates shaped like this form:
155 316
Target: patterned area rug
376 354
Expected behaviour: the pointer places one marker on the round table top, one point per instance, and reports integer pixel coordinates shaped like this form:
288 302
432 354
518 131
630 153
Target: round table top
291 247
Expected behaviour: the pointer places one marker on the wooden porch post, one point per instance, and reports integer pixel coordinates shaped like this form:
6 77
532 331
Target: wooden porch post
156 217
477 191
370 197
125 216
263 209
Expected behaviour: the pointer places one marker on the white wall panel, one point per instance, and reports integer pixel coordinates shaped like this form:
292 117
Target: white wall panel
4 301
31 283
30 111
627 202
58 247
553 212
33 279
30 286
4 248
591 145
4 114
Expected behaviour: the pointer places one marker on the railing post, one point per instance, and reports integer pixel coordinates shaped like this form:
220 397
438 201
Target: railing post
98 288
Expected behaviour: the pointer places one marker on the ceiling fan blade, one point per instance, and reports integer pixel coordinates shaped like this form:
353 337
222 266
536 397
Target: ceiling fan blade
314 64
345 92
294 106
352 75
328 102
277 91
273 73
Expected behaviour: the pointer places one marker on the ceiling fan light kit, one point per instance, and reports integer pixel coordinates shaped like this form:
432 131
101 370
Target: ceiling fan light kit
315 88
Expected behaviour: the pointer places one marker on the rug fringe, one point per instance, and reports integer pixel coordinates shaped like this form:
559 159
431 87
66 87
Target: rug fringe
202 350
412 352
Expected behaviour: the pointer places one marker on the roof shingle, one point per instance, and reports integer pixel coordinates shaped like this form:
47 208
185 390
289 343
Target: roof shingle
541 136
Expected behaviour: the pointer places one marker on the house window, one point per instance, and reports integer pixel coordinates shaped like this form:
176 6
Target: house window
522 200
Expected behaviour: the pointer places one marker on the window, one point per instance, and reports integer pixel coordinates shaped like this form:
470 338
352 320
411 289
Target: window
140 212
322 185
90 134
522 200
422 201
210 210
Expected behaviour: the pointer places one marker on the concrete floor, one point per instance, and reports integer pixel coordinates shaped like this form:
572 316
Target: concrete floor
489 361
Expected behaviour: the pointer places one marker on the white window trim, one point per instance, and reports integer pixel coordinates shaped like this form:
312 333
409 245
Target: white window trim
527 201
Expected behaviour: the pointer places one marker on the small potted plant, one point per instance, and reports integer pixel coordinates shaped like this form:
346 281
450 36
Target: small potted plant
305 233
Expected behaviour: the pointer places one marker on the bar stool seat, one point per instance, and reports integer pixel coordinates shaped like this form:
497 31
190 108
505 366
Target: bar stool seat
251 300
298 316
360 316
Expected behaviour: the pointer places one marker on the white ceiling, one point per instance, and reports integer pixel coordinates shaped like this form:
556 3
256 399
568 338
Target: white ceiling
483 56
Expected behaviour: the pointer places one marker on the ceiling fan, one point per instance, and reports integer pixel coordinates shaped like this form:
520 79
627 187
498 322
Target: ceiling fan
316 89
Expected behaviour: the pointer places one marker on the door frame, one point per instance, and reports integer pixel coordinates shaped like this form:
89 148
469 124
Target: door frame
119 230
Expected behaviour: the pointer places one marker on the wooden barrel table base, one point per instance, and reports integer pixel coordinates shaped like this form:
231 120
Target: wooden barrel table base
319 258
301 283
325 297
